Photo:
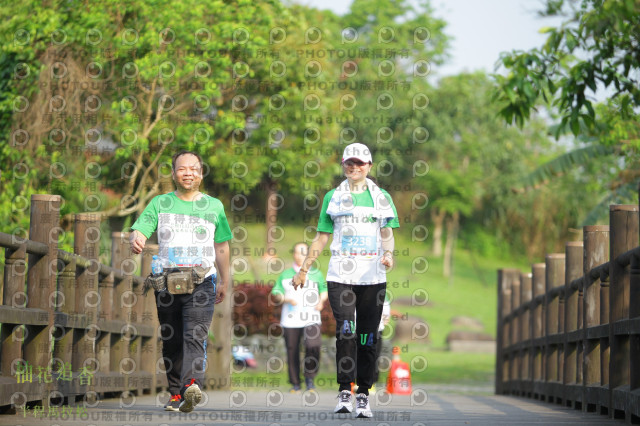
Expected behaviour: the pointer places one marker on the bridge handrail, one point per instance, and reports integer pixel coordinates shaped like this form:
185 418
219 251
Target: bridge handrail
85 328
569 331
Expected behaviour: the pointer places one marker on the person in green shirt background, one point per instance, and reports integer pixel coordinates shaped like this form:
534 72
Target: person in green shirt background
301 318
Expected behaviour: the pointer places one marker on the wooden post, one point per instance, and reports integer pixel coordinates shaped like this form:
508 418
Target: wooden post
103 345
515 356
581 327
44 227
561 331
516 336
605 346
499 388
135 346
555 271
63 346
624 237
634 313
87 244
538 286
596 252
525 327
574 270
149 317
121 259
67 286
15 270
41 276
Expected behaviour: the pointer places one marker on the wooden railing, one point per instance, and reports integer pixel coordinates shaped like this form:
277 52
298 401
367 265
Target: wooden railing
72 328
569 331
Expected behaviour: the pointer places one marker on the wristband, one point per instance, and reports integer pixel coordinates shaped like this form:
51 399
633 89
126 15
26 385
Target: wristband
387 252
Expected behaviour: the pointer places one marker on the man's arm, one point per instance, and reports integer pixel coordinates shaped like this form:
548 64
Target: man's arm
222 265
137 240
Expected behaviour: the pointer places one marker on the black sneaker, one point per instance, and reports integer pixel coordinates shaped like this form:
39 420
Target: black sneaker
173 404
295 389
309 382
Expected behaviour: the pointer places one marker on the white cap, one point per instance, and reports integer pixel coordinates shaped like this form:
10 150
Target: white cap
357 151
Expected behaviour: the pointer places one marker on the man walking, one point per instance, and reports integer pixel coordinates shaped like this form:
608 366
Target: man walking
193 238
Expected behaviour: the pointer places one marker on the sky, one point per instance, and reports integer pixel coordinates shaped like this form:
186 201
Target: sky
481 29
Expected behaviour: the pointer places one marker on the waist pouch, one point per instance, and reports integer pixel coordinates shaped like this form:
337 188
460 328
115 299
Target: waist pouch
178 280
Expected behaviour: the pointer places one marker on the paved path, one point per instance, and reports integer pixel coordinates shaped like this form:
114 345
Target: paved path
427 406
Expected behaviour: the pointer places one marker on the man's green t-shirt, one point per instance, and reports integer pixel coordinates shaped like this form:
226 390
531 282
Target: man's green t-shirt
186 229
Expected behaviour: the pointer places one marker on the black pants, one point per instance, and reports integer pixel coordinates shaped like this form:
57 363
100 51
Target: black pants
312 343
356 340
184 328
376 374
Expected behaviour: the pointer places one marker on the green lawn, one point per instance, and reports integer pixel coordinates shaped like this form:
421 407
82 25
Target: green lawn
471 292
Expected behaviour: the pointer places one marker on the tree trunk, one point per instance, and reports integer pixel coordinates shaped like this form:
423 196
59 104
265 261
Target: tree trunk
271 217
452 233
166 184
437 216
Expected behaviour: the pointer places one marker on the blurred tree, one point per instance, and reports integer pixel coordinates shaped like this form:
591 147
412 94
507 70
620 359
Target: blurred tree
475 158
120 88
288 141
594 51
462 131
103 97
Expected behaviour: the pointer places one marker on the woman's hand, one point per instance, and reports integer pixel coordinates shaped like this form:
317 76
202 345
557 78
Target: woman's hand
299 279
387 260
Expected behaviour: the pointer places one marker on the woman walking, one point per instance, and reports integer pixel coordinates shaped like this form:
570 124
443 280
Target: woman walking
361 216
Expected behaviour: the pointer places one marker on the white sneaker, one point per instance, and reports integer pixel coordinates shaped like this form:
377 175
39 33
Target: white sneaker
345 404
192 396
363 409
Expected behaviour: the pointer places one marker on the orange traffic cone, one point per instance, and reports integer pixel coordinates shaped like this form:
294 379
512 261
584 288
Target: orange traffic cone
399 378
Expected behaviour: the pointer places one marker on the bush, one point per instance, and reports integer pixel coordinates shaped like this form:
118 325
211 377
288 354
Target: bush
254 309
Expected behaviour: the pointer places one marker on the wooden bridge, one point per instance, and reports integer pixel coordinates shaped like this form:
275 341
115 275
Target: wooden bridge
569 330
79 341
272 407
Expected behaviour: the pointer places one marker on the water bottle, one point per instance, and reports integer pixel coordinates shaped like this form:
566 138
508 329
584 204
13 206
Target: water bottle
156 265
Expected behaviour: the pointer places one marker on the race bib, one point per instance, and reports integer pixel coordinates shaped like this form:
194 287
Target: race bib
360 245
185 256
